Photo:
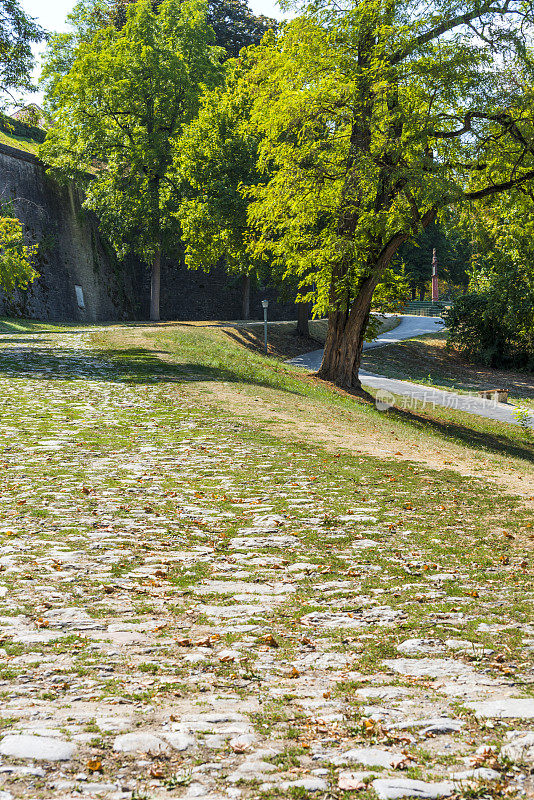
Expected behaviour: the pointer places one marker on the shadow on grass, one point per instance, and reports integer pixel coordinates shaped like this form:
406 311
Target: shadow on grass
129 365
136 365
277 343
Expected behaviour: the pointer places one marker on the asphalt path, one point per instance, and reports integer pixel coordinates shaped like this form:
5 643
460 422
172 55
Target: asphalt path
416 395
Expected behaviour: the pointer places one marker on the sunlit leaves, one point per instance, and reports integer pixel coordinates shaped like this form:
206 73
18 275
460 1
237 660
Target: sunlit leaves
16 268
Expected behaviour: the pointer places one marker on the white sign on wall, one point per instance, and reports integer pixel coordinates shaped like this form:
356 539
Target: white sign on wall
79 296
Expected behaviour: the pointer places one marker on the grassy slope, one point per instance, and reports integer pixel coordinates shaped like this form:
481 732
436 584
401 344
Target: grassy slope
271 394
20 142
211 365
426 360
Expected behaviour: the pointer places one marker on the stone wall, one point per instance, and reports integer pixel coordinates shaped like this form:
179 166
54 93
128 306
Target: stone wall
73 253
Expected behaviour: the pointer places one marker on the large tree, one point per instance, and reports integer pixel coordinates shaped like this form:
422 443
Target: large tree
18 32
234 25
119 114
375 116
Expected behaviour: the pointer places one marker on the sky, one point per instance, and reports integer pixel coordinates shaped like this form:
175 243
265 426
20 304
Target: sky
51 14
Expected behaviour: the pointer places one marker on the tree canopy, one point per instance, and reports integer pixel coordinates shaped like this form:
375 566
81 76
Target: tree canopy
374 117
119 113
234 25
17 33
218 154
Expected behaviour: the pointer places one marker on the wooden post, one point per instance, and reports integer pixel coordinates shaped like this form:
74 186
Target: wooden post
435 286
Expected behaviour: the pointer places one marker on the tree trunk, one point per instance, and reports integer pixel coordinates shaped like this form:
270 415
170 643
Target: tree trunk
155 280
245 297
303 315
414 292
348 318
344 340
422 292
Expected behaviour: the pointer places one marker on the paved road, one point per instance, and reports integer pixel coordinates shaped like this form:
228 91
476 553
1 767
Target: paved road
409 327
417 395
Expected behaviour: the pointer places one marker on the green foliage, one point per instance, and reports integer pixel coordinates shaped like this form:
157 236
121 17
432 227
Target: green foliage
374 117
236 26
494 323
490 328
17 33
453 253
119 114
16 270
218 154
233 23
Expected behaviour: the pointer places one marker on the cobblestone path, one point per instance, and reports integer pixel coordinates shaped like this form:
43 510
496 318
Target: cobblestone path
191 609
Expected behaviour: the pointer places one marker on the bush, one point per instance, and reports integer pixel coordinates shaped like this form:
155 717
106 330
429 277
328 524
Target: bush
496 326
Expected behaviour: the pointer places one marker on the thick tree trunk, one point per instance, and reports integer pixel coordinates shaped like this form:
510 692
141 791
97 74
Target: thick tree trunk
303 315
422 292
348 320
344 340
245 297
155 281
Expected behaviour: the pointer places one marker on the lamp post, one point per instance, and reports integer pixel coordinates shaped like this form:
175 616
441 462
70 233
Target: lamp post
435 286
265 304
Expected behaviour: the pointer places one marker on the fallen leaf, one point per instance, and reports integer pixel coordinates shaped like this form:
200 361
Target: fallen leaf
94 765
350 782
157 771
294 673
269 640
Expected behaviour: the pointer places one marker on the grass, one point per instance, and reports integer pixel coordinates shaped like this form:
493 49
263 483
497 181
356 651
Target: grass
283 340
20 142
10 325
266 390
427 360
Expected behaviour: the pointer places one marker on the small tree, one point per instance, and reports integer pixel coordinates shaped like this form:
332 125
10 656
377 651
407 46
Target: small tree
16 268
494 322
375 116
119 114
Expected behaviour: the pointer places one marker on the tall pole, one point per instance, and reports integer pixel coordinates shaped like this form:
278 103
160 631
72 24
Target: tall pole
435 286
265 304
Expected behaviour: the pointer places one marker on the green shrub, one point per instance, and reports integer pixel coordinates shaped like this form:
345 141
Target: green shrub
496 326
